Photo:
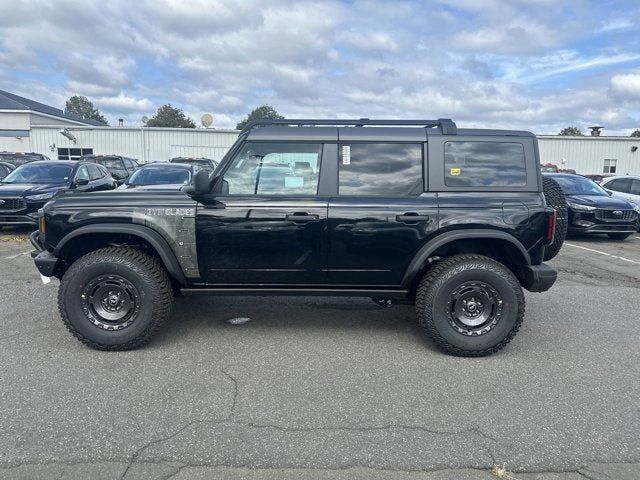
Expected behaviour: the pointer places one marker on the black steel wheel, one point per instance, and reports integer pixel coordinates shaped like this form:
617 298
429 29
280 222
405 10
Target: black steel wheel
115 298
470 305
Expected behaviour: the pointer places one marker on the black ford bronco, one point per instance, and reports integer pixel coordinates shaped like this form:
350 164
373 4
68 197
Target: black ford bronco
456 221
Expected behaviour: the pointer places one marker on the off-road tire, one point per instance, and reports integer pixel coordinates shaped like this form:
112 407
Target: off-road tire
145 273
554 196
433 304
619 236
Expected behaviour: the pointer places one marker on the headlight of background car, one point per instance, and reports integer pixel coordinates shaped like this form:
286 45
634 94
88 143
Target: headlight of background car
583 208
42 196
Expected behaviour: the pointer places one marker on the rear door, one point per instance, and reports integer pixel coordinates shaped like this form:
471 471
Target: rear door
381 215
268 224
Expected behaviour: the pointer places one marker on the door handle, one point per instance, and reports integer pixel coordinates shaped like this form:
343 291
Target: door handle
412 217
302 217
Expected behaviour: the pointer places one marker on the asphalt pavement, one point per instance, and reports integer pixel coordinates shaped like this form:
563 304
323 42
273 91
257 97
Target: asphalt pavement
328 387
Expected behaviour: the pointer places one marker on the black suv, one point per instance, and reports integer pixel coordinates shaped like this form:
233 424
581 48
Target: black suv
200 161
27 188
119 167
453 220
18 158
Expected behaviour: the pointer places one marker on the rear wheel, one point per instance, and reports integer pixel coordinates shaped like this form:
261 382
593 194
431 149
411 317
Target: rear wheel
115 298
470 305
554 196
619 236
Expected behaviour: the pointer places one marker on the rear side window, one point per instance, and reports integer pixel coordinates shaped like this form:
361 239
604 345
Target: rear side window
635 187
380 169
484 164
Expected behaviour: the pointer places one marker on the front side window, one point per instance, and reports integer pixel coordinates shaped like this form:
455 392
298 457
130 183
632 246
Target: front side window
83 174
619 185
610 165
275 169
387 169
94 172
484 164
578 185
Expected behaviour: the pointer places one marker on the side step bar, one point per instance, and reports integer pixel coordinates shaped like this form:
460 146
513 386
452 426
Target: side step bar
287 291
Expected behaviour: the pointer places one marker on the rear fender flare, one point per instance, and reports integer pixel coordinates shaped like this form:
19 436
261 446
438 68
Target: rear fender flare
418 261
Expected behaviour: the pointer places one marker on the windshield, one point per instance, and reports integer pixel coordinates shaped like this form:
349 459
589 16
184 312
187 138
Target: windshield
40 173
108 162
18 159
160 176
579 186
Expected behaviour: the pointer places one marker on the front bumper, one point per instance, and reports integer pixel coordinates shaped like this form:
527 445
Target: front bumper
588 222
539 278
8 219
45 261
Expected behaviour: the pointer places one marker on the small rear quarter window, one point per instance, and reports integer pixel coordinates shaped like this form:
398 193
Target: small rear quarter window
484 164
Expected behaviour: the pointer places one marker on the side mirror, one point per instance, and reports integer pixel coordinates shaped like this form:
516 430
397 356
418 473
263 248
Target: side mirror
199 184
81 181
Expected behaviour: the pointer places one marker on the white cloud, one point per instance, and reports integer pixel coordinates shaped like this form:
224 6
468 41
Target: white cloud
626 86
125 103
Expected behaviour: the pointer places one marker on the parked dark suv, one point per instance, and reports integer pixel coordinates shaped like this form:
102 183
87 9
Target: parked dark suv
199 161
27 188
119 167
453 220
19 158
593 210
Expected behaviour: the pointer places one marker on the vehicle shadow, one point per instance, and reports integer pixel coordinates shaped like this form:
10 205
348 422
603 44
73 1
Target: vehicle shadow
329 315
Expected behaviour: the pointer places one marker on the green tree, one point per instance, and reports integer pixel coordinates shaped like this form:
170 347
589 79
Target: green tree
636 133
571 132
170 116
83 107
264 111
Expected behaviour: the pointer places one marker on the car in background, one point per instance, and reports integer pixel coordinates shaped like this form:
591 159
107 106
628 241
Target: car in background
548 167
163 176
5 169
593 210
598 177
20 158
119 167
624 186
30 186
200 161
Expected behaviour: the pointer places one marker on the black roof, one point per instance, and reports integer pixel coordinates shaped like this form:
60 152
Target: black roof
184 166
71 163
10 101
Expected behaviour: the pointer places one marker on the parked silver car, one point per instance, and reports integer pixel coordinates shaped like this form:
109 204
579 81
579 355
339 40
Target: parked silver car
624 186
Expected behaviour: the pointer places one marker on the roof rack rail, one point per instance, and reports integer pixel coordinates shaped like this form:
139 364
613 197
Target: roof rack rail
447 125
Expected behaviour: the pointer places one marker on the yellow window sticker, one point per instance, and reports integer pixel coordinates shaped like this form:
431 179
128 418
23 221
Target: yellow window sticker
455 171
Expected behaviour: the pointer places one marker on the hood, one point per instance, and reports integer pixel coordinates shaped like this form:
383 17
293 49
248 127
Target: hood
152 188
26 189
601 201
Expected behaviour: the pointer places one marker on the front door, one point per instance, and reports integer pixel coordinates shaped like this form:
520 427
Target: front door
381 216
268 225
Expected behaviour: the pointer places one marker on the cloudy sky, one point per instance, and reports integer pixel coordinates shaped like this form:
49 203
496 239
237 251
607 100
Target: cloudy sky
533 64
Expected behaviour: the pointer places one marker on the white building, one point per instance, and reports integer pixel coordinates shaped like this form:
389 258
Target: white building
28 126
585 155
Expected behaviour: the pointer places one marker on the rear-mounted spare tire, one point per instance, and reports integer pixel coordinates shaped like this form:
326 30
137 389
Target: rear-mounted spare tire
554 196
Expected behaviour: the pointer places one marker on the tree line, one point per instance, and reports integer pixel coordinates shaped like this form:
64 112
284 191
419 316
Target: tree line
173 117
166 116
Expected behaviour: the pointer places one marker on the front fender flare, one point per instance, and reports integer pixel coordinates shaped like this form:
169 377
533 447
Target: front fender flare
159 244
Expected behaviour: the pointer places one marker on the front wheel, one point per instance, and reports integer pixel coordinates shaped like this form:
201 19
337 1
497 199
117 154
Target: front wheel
115 298
470 305
619 236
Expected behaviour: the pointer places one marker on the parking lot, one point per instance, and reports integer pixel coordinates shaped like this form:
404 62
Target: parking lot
327 388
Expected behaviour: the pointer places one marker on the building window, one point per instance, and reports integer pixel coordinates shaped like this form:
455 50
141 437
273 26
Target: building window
610 165
73 153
